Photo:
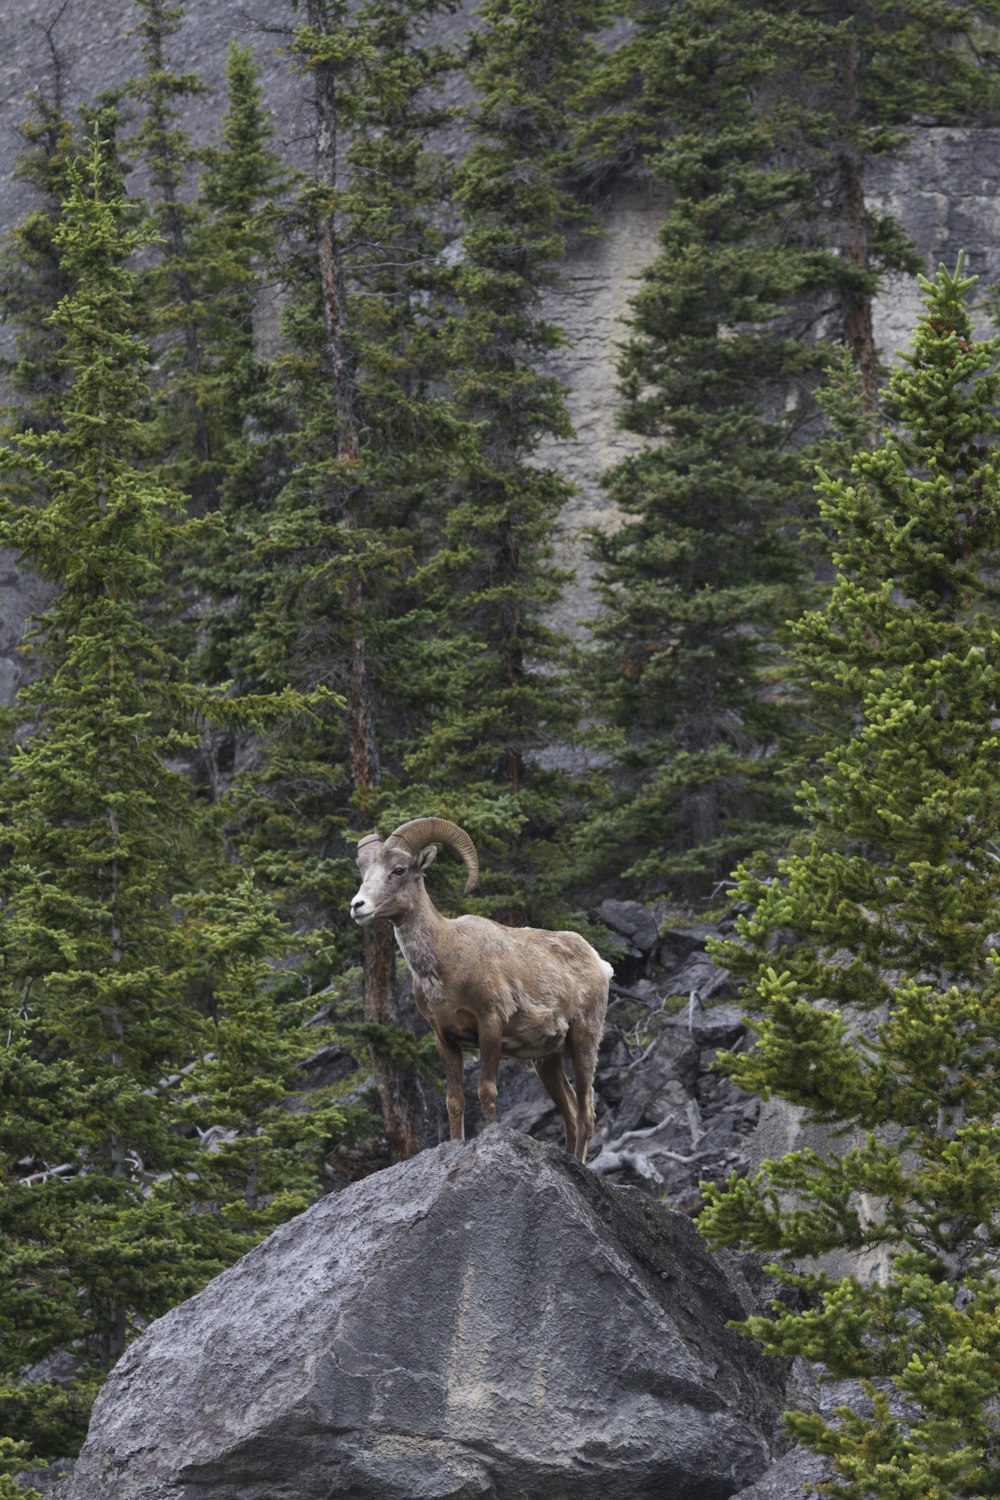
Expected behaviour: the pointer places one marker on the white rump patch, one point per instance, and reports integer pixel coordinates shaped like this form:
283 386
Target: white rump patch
607 968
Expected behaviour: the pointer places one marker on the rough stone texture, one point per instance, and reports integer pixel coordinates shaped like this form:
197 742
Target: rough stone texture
484 1321
631 920
21 596
50 1482
794 1474
797 1472
592 304
944 188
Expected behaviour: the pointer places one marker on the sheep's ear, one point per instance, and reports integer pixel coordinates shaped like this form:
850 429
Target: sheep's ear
425 859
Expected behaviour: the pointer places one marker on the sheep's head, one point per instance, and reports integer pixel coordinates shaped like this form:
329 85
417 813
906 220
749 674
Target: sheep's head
392 872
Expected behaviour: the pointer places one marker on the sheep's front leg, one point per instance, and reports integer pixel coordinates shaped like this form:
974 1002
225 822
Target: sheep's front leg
490 1045
454 1077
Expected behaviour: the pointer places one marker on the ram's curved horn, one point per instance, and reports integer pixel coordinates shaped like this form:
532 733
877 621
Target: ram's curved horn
423 831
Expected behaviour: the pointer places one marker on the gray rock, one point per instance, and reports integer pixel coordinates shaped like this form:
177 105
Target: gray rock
678 943
794 1475
522 1104
703 978
328 1065
9 681
720 1026
52 1482
663 1083
486 1320
630 920
61 1367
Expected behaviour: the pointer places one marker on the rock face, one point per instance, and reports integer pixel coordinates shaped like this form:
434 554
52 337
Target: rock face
486 1320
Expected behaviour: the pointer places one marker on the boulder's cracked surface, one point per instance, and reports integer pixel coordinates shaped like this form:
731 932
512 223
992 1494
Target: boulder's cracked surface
487 1319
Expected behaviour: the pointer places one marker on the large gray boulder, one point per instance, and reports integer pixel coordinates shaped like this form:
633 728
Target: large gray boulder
486 1320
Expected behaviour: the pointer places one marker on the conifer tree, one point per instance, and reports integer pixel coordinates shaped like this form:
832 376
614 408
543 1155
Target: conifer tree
494 582
877 65
872 973
263 1160
30 278
356 440
760 120
717 375
174 282
131 947
15 1457
211 223
95 1004
233 242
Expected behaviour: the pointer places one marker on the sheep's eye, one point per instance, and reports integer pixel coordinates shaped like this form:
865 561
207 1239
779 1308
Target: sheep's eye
399 870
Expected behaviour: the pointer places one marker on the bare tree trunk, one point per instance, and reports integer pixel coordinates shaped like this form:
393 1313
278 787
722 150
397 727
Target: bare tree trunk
203 489
513 649
111 1343
393 1083
859 332
702 809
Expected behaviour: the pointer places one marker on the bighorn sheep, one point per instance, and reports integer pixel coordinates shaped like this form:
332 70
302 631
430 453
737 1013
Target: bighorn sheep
510 991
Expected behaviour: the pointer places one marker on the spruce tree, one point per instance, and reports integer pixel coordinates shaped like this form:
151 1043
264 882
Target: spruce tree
232 243
14 1459
876 66
717 376
266 1136
353 440
494 583
30 277
870 958
760 120
97 831
132 948
174 283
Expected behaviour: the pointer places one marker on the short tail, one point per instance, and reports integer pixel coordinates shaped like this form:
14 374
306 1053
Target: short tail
607 968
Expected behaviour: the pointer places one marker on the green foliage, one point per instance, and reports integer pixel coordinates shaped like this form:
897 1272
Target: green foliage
14 1457
494 582
269 1140
716 378
370 605
350 448
93 994
873 979
129 1003
759 120
31 282
175 283
233 244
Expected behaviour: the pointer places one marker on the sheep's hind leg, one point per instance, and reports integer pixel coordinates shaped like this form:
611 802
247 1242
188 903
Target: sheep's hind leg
583 1050
553 1075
